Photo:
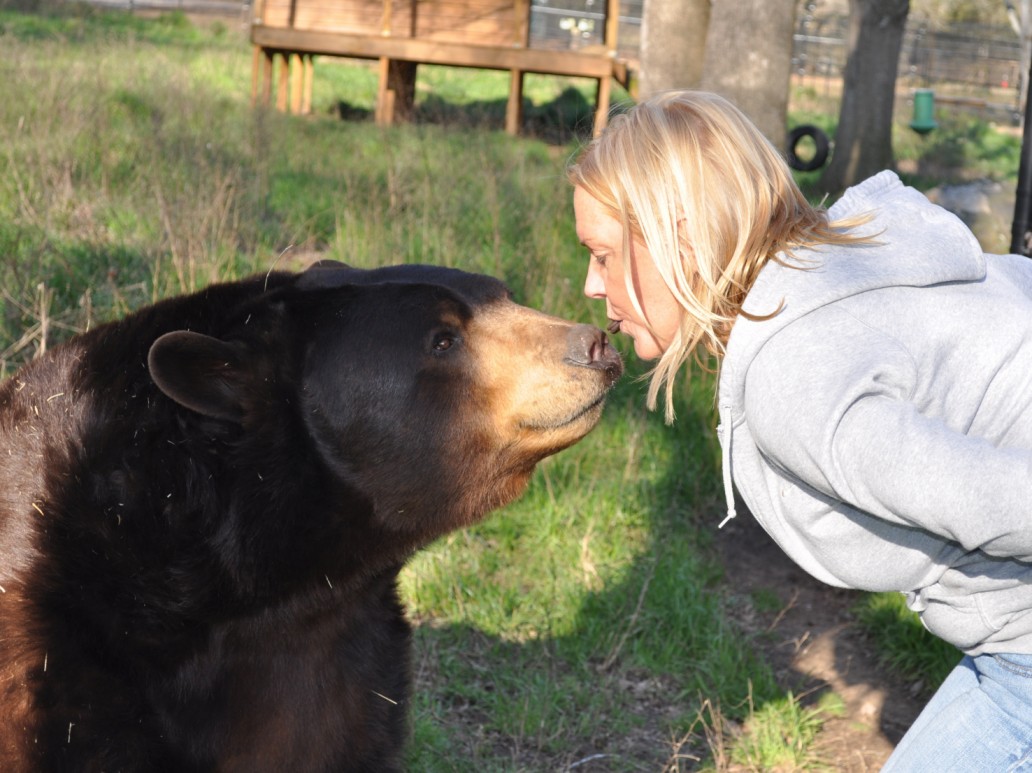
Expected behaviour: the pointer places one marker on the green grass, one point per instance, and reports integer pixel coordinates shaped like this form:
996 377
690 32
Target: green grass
588 618
905 645
963 142
780 735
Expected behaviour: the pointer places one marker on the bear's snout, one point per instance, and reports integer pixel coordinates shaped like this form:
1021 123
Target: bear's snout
588 346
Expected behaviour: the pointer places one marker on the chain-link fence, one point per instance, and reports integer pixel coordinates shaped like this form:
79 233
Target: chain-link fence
975 67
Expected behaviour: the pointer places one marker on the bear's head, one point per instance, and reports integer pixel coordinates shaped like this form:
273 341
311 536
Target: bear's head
424 394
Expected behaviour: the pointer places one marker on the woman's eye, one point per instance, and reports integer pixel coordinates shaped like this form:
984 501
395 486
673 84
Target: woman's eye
600 260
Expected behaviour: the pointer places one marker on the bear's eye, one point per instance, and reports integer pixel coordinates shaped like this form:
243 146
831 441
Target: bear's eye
444 341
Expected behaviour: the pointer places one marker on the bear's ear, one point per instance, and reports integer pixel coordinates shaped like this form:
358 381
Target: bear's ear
199 372
327 263
327 274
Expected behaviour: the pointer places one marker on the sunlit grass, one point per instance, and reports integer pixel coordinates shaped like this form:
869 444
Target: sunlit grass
780 734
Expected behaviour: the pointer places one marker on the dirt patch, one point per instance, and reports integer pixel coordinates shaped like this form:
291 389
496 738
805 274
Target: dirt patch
815 644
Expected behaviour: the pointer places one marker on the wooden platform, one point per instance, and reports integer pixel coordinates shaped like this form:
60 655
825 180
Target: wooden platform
401 34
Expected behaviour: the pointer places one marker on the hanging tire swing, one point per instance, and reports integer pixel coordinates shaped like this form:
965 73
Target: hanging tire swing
820 143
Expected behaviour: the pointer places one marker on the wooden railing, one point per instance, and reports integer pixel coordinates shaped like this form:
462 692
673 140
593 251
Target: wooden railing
401 34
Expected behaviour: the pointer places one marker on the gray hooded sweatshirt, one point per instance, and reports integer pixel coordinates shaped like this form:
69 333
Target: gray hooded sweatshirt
879 426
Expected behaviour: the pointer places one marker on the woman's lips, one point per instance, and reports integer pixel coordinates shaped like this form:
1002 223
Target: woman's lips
613 326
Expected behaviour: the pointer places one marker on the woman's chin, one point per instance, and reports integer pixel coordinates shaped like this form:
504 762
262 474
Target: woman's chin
647 349
645 346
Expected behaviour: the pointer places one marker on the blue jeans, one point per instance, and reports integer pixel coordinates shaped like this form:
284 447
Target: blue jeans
979 721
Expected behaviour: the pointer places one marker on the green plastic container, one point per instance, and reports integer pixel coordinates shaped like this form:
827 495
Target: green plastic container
924 111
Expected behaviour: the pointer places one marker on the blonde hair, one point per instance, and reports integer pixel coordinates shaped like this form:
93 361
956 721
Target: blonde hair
690 175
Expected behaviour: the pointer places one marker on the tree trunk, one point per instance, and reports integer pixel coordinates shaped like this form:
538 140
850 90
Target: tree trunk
749 60
863 140
673 40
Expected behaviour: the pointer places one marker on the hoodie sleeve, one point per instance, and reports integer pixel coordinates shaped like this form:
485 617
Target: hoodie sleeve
832 405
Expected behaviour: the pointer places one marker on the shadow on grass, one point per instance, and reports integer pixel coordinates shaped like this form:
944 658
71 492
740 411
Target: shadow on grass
631 678
566 118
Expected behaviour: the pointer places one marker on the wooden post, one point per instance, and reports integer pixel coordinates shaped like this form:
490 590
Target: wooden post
256 66
521 39
612 25
296 83
258 12
384 113
401 82
396 95
306 99
514 107
266 77
605 86
283 83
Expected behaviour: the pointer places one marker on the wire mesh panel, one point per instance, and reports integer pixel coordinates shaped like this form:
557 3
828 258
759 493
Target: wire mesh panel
973 66
577 24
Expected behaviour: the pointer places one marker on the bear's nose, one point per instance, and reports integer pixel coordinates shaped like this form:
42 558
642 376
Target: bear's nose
588 346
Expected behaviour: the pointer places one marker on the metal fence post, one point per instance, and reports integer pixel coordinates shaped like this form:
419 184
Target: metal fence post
1021 233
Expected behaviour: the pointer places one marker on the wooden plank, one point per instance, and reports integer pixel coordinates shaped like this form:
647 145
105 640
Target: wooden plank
309 19
486 32
456 9
278 16
491 22
466 9
358 16
460 55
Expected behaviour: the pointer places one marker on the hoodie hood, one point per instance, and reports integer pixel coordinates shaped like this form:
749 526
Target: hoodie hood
916 243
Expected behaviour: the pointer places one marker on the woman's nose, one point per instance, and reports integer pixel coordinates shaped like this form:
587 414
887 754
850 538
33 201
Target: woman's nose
594 285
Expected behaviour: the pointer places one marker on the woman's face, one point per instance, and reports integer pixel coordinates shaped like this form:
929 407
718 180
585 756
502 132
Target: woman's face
601 233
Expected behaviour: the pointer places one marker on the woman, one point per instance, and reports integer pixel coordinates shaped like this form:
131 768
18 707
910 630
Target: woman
875 387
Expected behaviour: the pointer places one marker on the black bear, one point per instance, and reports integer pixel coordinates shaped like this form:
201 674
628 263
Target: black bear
204 508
